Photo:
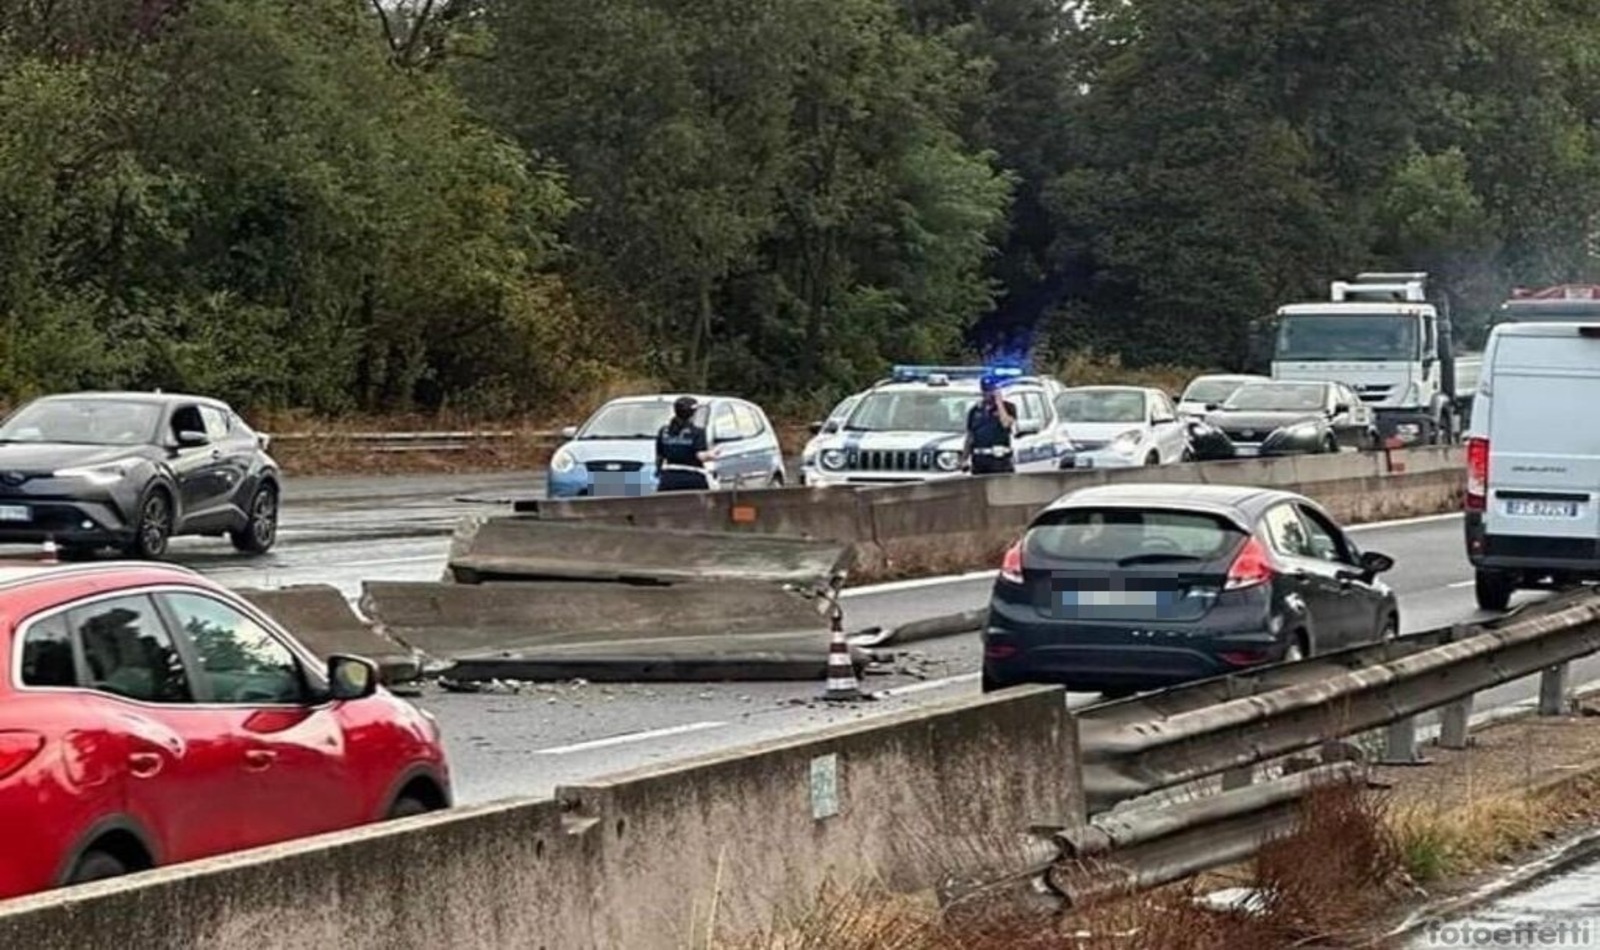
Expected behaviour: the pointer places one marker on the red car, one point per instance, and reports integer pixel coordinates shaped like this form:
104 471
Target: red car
150 717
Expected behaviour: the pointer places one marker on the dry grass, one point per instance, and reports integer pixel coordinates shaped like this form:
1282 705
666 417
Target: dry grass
1088 368
1441 842
1357 870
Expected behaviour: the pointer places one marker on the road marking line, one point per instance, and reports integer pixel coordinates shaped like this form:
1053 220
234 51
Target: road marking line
630 737
929 685
1403 522
1459 584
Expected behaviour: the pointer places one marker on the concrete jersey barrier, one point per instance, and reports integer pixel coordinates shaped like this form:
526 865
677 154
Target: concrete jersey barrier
320 617
635 860
529 548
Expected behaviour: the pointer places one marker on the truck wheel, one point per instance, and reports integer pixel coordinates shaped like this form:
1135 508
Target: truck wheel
1493 589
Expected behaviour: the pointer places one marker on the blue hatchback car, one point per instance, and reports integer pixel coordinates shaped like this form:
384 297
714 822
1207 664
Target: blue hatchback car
614 452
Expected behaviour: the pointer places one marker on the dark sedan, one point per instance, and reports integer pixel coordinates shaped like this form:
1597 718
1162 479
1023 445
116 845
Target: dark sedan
1123 588
132 471
1294 418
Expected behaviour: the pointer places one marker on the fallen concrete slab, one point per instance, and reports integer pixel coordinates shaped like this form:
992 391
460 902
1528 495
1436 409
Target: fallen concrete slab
523 548
784 658
450 621
320 617
932 628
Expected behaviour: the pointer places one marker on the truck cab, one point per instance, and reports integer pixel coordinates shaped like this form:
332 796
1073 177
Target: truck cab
1387 338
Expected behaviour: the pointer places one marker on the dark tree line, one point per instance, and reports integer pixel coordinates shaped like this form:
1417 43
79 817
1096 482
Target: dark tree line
491 205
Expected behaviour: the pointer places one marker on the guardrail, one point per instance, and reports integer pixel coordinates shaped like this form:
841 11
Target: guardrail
453 441
1132 748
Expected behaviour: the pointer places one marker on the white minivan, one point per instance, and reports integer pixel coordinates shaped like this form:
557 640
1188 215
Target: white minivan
1533 463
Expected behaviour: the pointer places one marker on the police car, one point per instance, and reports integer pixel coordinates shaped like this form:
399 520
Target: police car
911 427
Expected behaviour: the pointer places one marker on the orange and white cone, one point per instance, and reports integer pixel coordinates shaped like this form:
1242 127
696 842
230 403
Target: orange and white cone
50 554
842 683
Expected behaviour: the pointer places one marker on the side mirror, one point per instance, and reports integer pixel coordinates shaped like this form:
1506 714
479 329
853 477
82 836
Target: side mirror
816 428
569 432
351 677
263 440
1373 563
1213 406
724 439
189 439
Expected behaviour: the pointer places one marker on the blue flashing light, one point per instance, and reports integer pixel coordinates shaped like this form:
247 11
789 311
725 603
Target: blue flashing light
912 372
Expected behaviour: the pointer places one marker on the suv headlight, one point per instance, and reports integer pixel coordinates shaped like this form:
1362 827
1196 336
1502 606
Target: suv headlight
563 461
97 474
1128 442
949 460
1300 430
833 458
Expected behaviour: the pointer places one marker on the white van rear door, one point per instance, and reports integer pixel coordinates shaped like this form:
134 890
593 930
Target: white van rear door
1544 435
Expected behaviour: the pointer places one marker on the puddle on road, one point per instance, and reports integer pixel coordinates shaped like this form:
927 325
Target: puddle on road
1561 912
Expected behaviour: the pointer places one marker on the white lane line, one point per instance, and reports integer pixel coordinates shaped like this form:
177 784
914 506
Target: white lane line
1404 522
1459 584
918 582
630 737
907 690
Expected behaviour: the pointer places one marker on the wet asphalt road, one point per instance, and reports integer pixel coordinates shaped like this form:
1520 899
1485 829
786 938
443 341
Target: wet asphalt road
343 530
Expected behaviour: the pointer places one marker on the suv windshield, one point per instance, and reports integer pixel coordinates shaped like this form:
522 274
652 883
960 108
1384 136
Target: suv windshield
1126 535
1365 337
1278 397
1211 390
912 410
84 422
633 420
1106 406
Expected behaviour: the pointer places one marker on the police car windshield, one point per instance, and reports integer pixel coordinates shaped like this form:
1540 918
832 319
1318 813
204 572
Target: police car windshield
912 410
1277 397
633 420
1108 406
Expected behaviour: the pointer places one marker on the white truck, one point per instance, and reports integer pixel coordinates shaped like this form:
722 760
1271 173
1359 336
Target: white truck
1389 338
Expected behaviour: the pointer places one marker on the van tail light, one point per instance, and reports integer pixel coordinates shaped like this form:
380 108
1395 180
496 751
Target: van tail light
1011 564
17 749
1477 474
1251 567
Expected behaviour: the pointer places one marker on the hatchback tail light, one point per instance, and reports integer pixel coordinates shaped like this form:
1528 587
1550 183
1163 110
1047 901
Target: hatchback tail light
1477 498
18 749
1251 566
1011 564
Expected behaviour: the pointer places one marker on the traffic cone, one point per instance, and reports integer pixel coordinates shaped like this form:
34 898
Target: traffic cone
51 554
842 683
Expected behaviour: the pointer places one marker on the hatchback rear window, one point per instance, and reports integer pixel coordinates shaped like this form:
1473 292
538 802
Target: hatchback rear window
1116 534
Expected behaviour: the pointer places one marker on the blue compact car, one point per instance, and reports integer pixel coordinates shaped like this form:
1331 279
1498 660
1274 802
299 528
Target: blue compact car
614 452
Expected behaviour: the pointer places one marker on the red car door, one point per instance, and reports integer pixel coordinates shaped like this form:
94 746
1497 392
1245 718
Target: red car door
293 771
180 759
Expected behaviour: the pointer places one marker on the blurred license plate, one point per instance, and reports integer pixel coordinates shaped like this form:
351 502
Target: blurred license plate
1110 598
15 513
1536 508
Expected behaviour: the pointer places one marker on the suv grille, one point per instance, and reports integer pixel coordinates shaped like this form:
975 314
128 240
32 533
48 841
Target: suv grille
614 466
892 460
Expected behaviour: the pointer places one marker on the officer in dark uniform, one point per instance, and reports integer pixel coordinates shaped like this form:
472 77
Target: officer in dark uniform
681 442
989 426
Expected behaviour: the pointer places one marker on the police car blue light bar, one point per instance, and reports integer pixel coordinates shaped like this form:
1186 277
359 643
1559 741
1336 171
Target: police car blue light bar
912 372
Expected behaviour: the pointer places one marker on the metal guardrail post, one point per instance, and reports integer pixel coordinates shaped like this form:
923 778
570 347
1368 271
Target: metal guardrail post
1455 719
1400 744
1553 690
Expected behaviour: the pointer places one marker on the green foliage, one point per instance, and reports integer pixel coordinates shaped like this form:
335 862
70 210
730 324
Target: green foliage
487 205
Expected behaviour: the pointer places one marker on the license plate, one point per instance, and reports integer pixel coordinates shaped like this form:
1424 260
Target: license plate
1246 450
1535 508
1110 598
15 513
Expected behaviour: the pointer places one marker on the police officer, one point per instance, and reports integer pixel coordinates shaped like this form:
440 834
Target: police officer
681 442
989 427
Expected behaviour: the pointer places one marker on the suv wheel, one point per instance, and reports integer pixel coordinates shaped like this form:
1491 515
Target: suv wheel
153 531
1493 589
260 530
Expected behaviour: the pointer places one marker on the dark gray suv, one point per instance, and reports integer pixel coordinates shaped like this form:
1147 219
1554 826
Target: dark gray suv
132 471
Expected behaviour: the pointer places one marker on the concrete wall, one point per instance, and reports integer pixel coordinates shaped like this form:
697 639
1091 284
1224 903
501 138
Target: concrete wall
631 862
950 525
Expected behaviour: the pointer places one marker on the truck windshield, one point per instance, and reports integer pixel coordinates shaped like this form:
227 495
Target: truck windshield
1354 337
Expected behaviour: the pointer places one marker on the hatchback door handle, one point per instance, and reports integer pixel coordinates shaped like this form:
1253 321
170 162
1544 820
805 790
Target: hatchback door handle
257 759
144 764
